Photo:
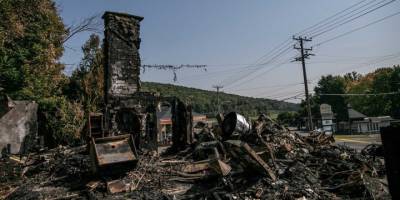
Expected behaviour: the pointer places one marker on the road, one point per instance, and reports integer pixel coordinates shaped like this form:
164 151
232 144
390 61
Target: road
358 142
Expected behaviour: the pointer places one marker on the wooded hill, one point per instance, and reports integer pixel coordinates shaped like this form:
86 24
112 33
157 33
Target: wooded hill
204 101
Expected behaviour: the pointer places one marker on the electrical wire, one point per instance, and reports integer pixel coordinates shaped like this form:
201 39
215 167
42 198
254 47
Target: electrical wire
325 19
331 28
356 29
336 25
342 17
362 94
269 86
317 30
270 61
366 64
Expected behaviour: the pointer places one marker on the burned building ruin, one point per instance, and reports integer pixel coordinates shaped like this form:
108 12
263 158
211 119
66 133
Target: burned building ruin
128 110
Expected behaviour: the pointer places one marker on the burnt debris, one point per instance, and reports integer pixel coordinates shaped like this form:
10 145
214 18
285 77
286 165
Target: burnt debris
268 162
234 159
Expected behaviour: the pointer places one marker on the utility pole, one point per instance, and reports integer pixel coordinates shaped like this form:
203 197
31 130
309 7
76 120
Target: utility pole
305 55
218 87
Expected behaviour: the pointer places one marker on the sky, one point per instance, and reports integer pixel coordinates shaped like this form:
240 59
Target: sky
233 38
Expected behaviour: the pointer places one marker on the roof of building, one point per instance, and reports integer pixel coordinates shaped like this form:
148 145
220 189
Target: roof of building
354 114
380 119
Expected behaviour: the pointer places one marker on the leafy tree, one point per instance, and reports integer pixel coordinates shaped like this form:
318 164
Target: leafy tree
206 102
87 81
289 118
61 121
380 104
315 111
383 80
31 35
395 87
333 85
352 77
31 42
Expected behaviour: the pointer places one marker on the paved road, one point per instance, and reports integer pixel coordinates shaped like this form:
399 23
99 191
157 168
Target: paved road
358 142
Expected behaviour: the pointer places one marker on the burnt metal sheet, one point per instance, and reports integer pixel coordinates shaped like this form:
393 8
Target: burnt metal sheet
117 186
115 150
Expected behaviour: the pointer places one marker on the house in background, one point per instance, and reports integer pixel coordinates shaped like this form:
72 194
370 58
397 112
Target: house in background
327 119
360 123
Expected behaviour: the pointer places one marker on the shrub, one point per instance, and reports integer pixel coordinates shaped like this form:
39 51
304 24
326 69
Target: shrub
60 121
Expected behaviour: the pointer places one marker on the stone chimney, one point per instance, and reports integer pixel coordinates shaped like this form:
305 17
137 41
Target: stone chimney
121 51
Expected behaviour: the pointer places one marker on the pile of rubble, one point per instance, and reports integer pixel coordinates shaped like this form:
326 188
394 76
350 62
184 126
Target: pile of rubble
229 161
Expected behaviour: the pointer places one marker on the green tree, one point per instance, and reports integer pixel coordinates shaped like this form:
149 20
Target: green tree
87 81
333 85
315 112
395 87
289 118
31 42
383 80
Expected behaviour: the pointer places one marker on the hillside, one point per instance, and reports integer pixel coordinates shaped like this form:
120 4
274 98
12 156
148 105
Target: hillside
204 101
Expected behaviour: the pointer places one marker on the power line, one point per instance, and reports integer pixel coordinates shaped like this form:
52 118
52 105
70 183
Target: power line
269 86
347 21
272 52
331 27
239 80
342 17
209 73
357 29
366 64
282 52
362 94
292 97
348 57
278 96
280 92
272 68
322 21
230 70
279 50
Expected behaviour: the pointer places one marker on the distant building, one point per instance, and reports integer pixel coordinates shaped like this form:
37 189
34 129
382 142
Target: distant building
360 123
165 124
327 118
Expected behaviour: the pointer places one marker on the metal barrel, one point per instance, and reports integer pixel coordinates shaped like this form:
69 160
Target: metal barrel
234 123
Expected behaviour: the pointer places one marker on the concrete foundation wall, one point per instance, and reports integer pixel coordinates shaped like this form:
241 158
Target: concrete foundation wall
18 127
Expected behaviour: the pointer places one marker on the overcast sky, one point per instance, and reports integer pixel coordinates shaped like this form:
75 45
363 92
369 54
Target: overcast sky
230 35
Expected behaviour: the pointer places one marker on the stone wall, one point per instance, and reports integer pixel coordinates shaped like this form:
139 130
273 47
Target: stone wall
18 127
122 59
128 111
